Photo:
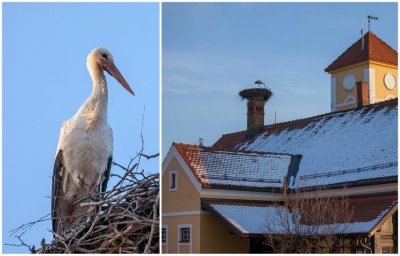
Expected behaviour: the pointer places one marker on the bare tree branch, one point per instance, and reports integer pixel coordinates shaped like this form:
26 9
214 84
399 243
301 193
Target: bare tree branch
308 225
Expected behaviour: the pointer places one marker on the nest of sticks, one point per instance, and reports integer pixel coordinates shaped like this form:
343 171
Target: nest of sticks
127 220
261 94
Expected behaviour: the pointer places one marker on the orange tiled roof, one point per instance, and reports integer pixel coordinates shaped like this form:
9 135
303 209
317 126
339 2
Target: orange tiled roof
236 169
374 49
367 208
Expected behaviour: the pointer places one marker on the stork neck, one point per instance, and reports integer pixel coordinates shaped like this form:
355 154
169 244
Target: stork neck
95 107
99 91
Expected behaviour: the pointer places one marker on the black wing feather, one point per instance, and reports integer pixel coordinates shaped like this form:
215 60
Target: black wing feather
58 165
106 175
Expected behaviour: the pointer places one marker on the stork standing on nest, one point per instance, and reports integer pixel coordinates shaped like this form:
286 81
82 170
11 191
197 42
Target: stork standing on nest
84 152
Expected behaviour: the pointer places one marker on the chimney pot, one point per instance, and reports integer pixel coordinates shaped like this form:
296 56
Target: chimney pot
362 94
256 99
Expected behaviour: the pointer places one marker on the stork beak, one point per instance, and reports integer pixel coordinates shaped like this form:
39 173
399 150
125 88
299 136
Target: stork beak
113 70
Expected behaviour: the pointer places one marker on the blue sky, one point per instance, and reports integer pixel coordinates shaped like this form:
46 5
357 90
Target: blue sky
211 51
45 80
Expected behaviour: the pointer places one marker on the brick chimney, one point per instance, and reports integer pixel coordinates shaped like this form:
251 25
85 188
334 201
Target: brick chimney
362 94
256 99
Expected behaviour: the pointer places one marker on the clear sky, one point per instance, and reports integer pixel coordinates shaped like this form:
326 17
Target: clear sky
45 80
211 51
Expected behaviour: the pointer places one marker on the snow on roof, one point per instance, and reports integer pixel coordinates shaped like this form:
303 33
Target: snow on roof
247 219
340 147
236 168
251 219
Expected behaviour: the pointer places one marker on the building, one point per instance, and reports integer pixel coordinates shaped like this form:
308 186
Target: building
370 60
215 199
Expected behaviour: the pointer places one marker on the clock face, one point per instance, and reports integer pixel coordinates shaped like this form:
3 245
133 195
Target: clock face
390 81
349 81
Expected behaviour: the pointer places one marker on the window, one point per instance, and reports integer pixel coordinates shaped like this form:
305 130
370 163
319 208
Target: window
164 238
387 249
173 178
164 235
184 235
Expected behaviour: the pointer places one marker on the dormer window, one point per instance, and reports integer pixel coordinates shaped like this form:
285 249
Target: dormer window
173 180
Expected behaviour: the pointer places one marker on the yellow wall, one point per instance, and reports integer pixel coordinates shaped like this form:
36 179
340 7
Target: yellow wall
380 89
172 234
186 198
341 93
215 237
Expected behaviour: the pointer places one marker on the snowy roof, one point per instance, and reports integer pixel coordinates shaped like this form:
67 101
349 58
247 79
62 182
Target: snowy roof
250 219
339 147
236 168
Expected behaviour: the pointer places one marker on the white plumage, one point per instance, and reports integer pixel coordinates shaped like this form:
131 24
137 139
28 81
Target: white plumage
84 151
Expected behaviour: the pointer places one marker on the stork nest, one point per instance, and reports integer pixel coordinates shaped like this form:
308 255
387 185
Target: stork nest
261 94
127 222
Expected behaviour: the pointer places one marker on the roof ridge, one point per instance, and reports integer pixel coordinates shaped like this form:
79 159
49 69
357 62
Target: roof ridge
233 133
232 151
235 151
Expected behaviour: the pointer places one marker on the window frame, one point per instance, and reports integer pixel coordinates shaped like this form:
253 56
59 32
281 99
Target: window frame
179 240
162 235
173 181
165 244
184 234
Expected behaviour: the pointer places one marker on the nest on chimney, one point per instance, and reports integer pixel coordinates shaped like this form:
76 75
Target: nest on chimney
262 94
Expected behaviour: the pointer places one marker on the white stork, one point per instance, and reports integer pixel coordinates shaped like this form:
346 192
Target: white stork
84 152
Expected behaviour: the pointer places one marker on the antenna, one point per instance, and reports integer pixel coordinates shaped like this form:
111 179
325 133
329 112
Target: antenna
362 36
369 21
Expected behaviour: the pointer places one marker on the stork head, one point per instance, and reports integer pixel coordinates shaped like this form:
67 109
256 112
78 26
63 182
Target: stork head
102 59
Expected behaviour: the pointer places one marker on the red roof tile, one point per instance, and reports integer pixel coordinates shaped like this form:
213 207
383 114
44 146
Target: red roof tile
367 208
374 49
240 169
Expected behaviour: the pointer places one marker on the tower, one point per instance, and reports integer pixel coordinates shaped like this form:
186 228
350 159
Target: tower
256 99
368 60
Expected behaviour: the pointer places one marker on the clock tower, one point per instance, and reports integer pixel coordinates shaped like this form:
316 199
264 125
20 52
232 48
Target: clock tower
365 73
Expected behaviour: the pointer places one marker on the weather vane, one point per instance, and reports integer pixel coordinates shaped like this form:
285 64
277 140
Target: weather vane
369 21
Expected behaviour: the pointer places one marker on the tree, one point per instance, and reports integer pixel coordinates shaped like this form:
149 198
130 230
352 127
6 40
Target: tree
308 224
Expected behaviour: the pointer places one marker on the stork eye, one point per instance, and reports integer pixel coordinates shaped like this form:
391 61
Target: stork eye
104 55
